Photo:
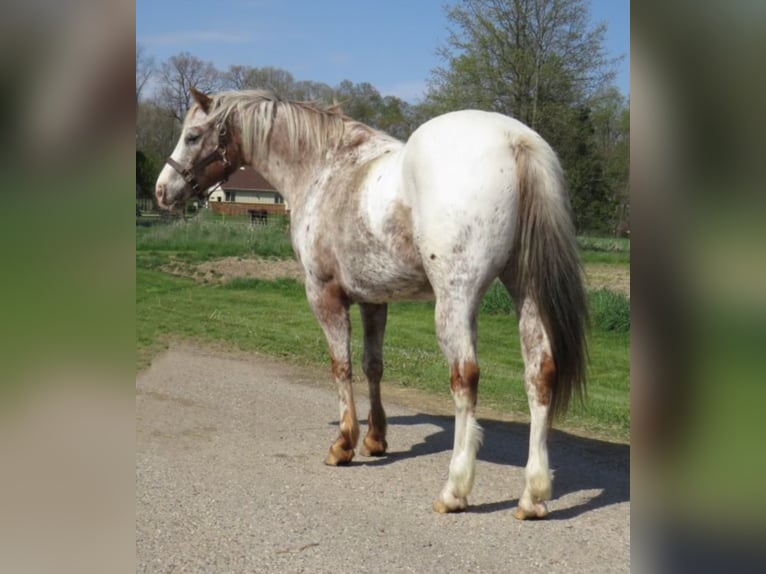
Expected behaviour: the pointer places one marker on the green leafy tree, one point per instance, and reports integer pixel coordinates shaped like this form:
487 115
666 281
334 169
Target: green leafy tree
397 117
611 121
360 101
146 175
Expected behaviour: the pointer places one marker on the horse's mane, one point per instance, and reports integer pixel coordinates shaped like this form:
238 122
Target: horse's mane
308 125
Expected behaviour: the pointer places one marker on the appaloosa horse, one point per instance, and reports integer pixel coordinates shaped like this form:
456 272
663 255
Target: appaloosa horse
470 197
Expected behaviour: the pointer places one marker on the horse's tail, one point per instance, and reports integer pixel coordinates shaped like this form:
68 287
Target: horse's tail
547 264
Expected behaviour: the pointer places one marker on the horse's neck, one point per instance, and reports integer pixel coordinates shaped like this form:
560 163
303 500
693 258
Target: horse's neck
288 176
295 168
287 169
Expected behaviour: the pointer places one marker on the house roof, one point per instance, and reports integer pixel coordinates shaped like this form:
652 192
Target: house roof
247 179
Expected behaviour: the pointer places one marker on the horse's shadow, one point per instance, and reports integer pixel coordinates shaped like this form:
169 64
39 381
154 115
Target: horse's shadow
506 443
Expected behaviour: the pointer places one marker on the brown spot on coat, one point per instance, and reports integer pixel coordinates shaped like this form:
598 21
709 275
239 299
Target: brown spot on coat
332 303
399 228
341 370
466 381
546 381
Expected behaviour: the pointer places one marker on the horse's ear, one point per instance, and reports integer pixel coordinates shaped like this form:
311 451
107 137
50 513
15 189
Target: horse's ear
202 99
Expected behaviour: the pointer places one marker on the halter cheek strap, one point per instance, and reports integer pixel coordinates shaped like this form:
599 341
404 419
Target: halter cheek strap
218 154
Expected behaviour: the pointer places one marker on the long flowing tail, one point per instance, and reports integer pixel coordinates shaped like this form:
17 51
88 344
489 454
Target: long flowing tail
547 264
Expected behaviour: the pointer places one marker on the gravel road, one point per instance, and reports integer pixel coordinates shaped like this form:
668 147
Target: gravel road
230 478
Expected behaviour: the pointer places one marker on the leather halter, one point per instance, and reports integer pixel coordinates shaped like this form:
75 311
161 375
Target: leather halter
218 154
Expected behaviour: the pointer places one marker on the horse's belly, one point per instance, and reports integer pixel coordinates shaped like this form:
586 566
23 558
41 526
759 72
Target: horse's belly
382 280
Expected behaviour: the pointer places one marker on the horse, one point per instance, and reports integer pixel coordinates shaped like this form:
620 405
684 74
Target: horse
472 196
258 216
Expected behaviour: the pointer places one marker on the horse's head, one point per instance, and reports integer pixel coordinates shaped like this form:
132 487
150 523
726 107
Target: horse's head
206 154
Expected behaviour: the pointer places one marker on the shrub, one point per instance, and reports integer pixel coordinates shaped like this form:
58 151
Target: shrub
609 311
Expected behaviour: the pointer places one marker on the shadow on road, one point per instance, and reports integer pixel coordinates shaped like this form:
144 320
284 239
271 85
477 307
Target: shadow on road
607 465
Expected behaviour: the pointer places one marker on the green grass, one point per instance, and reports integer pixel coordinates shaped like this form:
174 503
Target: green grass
273 317
209 236
604 249
609 311
608 244
496 300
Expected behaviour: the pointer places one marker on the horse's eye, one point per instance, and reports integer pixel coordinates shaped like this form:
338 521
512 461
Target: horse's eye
192 138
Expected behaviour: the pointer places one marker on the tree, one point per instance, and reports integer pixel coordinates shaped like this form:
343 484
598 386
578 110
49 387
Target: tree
360 101
309 91
397 117
178 75
145 69
611 118
279 81
146 175
276 80
236 78
157 132
519 57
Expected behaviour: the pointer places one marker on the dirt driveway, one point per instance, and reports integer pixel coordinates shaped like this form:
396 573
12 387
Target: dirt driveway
230 478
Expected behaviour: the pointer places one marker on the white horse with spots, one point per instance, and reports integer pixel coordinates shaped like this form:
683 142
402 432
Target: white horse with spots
470 197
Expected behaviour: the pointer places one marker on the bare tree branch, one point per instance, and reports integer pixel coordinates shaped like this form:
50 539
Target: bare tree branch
178 75
145 69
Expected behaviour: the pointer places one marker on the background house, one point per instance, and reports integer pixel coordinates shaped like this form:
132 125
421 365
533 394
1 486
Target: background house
245 191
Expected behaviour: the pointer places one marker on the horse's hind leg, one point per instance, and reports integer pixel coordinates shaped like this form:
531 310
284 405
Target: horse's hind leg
539 377
330 305
374 324
456 329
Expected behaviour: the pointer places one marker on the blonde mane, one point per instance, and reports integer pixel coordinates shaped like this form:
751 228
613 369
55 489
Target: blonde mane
307 125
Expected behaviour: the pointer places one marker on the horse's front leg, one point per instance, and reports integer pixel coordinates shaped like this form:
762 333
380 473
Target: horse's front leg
330 305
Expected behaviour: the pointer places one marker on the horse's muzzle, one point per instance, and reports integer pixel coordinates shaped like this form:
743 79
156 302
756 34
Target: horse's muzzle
161 193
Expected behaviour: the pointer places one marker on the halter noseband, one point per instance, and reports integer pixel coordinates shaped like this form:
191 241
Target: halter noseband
218 154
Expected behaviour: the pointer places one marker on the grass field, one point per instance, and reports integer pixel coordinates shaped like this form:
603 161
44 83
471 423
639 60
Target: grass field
604 249
273 317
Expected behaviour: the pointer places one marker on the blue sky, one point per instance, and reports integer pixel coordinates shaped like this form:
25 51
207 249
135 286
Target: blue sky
389 43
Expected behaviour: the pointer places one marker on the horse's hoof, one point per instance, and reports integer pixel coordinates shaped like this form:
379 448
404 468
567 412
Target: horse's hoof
536 511
339 457
372 447
457 505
